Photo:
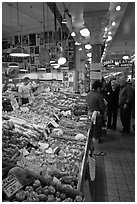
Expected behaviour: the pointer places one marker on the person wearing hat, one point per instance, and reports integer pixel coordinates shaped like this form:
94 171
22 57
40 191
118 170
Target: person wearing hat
96 108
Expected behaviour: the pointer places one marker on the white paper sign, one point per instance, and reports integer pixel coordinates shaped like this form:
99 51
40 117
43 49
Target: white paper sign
96 66
96 75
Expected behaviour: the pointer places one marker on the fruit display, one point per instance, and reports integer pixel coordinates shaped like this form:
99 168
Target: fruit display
41 191
45 141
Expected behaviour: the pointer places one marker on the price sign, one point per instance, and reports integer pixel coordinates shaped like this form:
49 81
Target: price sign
13 101
11 185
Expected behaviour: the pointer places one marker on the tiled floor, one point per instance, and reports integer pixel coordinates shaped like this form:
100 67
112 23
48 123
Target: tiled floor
115 172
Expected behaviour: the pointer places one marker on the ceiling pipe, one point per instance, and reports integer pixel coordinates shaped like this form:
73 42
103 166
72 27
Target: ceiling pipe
52 7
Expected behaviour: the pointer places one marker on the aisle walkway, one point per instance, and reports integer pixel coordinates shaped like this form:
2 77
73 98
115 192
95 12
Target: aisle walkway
115 172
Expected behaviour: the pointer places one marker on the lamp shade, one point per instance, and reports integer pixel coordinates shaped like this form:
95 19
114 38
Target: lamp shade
88 46
62 60
14 65
19 52
125 57
85 32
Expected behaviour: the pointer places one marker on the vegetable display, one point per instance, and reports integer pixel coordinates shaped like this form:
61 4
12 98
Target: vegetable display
48 141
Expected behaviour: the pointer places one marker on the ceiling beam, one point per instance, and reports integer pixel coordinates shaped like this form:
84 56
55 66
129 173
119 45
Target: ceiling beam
53 8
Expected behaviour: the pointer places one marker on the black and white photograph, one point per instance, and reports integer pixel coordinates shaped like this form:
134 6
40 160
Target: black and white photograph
68 101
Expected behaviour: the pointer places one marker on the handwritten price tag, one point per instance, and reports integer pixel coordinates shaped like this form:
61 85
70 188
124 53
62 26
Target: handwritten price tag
11 185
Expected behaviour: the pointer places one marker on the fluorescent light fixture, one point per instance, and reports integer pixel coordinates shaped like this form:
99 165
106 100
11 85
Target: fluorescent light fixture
125 57
14 65
19 52
85 32
52 61
89 59
54 64
89 54
109 38
118 8
116 63
80 49
57 66
88 47
62 60
64 21
106 29
113 23
73 34
76 43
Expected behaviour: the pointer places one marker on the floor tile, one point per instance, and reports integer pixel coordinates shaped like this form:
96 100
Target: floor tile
124 199
121 180
101 185
109 170
113 199
112 192
132 194
109 174
130 182
100 198
124 193
122 187
118 175
111 180
131 187
119 168
112 186
101 191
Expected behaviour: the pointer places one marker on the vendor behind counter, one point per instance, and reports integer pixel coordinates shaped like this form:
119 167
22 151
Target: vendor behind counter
24 92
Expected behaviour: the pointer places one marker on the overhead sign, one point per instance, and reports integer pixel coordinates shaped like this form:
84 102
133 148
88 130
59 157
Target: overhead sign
96 66
96 75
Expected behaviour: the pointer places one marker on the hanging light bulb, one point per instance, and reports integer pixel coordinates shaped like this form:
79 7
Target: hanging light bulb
109 33
73 34
76 43
19 51
57 66
113 23
85 32
80 49
64 21
106 29
109 38
126 56
88 47
118 8
89 54
61 60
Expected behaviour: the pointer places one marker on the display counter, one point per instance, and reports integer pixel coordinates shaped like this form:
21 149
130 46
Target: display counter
46 147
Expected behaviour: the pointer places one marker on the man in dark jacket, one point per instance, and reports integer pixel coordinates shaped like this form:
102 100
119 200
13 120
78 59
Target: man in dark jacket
96 108
125 103
112 97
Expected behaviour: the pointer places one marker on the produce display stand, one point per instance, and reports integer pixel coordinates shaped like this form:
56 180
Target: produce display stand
23 128
81 179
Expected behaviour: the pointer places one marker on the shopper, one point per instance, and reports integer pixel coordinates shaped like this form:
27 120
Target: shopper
24 92
112 97
133 106
125 103
96 107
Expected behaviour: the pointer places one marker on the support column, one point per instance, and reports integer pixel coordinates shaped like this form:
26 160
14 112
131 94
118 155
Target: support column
96 23
79 69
